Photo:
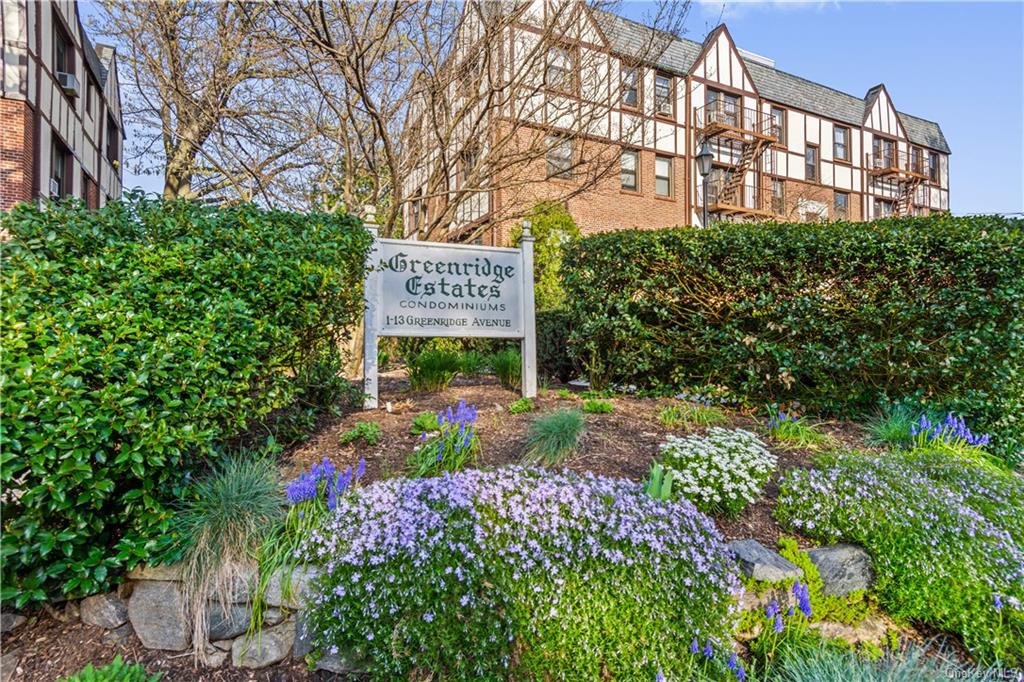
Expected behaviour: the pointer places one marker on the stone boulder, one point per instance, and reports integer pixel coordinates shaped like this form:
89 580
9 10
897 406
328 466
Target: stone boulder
271 646
300 586
108 611
872 630
119 636
229 624
760 563
10 621
162 572
843 568
155 611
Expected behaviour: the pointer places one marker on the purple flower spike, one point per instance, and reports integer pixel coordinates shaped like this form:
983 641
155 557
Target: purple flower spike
708 651
733 663
660 677
778 626
997 602
694 646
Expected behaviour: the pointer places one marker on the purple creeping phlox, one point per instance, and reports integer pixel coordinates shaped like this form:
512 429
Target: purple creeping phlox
952 429
489 550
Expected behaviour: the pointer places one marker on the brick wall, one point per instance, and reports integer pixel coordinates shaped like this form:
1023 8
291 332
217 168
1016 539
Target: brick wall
16 135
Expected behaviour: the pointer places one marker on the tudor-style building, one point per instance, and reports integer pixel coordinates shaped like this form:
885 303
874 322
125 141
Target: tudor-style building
785 148
60 108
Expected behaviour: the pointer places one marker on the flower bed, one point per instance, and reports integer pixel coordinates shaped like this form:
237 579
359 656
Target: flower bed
521 572
946 536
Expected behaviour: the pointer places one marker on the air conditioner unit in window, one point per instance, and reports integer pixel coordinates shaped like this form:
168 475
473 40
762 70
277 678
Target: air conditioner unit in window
68 83
665 108
54 188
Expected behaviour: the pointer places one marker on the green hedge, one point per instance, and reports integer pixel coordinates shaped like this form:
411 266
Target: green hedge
837 316
136 340
553 359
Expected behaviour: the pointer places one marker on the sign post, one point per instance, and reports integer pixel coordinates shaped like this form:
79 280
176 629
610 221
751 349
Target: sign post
426 289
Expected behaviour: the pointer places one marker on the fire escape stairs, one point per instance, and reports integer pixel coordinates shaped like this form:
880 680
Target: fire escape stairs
907 189
752 150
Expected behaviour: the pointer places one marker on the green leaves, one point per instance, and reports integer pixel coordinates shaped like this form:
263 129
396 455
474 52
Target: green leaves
836 316
139 338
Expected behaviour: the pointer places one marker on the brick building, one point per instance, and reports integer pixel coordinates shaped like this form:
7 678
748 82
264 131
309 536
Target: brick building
784 148
60 108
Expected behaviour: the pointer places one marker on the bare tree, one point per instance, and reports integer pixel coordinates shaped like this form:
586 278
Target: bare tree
211 98
448 102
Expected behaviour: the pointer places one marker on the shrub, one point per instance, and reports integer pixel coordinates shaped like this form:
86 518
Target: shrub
790 431
689 414
136 339
597 406
424 422
224 519
115 671
521 406
433 370
508 365
521 574
723 471
837 316
554 437
368 432
552 228
454 445
553 358
946 536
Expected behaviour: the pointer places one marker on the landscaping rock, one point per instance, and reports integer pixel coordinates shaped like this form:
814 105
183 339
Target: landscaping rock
223 644
302 645
871 629
760 563
155 611
843 568
273 616
270 647
105 610
118 636
221 625
340 663
9 664
243 583
214 657
163 572
300 584
10 621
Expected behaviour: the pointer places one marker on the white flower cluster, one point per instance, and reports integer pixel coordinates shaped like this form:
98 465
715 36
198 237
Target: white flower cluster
723 471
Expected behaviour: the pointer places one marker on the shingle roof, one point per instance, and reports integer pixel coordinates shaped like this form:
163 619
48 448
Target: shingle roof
630 38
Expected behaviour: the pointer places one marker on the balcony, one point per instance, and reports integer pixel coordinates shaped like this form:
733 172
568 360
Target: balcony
728 119
901 165
735 199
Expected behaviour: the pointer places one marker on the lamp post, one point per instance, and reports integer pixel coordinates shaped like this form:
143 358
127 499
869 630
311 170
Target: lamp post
704 159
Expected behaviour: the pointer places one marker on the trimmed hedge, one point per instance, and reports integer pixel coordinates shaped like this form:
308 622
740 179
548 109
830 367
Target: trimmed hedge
553 359
137 339
838 316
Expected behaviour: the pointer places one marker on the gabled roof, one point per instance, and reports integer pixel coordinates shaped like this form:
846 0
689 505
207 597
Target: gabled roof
633 39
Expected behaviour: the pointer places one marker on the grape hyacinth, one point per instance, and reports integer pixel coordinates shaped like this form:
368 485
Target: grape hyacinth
323 478
453 445
952 429
803 598
776 420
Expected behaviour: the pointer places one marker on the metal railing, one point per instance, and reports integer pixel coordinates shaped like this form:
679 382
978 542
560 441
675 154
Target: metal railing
729 115
889 162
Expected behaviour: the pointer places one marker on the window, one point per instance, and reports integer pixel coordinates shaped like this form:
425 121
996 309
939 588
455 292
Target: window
88 96
723 108
811 163
630 86
778 197
841 204
663 103
63 51
663 176
469 159
933 167
917 160
779 124
883 208
628 172
559 156
841 143
60 167
113 140
884 152
560 73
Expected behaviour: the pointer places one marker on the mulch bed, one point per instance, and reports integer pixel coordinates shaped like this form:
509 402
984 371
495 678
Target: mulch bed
622 443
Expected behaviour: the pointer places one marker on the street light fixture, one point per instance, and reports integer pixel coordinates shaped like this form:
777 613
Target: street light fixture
704 160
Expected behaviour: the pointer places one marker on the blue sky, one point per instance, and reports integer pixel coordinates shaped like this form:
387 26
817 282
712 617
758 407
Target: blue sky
958 63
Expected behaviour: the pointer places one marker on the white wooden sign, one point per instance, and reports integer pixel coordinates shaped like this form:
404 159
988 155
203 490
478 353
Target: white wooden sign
429 289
